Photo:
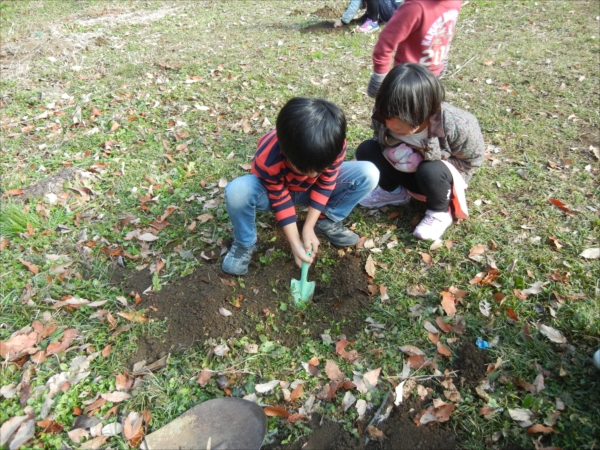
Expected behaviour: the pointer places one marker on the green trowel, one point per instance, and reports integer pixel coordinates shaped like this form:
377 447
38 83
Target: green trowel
303 290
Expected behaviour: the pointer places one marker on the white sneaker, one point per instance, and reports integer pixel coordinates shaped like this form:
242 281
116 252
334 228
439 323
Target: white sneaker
379 197
433 225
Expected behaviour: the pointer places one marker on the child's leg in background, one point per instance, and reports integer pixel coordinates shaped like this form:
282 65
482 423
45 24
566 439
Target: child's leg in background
389 177
372 9
244 196
432 178
435 183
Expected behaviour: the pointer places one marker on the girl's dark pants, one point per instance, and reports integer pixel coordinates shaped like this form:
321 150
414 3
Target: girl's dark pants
432 178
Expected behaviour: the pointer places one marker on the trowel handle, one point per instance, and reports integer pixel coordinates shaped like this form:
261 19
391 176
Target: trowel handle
305 267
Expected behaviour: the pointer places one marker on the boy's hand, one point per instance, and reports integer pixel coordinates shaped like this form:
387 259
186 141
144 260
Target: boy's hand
338 23
310 239
300 254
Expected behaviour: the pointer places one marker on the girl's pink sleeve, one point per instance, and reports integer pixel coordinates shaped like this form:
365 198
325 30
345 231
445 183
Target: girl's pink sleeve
406 19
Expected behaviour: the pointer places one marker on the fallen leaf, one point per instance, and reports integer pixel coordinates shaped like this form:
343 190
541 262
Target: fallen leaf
560 205
204 377
446 328
375 433
430 327
276 411
225 312
221 349
14 347
443 350
411 350
333 371
295 417
15 192
297 392
314 361
372 376
553 334
370 266
32 267
266 387
348 401
115 397
134 316
591 253
433 337
427 259
132 428
107 350
147 237
537 428
340 349
68 337
485 410
521 416
417 291
448 303
489 62
50 426
416 361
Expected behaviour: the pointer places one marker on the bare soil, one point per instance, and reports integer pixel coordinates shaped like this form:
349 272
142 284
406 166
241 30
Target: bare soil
191 305
400 431
471 363
328 12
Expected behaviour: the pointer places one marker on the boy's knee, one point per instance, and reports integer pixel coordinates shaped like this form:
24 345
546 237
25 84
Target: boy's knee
237 191
364 152
371 175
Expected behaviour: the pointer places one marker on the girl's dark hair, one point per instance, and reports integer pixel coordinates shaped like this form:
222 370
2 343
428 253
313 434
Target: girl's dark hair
411 93
311 133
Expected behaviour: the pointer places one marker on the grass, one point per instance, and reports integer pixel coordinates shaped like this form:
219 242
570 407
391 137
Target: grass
535 102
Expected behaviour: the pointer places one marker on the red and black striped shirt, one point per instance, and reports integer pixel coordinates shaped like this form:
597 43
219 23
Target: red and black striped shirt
279 178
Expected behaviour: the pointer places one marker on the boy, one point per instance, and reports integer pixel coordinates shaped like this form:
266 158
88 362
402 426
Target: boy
301 162
420 31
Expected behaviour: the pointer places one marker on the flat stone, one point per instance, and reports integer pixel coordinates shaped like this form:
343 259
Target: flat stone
218 424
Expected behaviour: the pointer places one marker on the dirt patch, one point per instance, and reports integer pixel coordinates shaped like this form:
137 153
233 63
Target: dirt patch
324 28
326 435
328 12
471 363
403 434
400 431
191 305
51 185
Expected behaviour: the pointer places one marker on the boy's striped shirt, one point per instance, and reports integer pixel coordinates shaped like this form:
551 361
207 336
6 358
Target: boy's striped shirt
278 177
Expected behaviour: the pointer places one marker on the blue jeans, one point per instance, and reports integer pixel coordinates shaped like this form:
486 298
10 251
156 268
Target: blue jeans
246 195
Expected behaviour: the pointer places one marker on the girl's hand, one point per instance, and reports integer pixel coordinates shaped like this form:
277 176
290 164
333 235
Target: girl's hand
338 23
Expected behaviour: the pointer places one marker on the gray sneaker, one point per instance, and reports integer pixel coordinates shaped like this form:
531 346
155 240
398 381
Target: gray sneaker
238 258
336 233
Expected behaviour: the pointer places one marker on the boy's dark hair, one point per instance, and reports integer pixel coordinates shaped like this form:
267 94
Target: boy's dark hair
411 93
311 133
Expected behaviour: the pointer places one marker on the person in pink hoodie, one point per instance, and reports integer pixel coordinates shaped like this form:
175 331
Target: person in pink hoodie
420 31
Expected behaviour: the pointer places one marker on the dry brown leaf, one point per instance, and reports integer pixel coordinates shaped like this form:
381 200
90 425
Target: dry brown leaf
134 316
107 350
314 361
537 428
132 429
443 350
433 337
333 371
411 350
485 410
32 267
68 337
416 361
375 433
297 392
295 417
448 303
370 266
417 291
115 397
340 349
276 411
204 377
446 328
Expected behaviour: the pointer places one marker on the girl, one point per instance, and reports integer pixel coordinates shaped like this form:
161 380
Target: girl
409 110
